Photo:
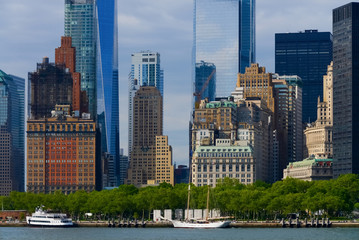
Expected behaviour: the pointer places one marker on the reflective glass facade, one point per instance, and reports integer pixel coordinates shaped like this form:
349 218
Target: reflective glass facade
12 116
224 34
203 72
108 84
80 24
345 89
306 54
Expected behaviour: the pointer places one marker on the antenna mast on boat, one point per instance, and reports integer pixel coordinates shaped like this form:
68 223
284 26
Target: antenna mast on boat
189 194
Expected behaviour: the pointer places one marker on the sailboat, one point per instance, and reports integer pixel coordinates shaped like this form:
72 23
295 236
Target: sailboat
203 223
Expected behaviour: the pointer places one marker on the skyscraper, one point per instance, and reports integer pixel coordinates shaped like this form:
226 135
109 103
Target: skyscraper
108 84
145 71
93 28
224 34
80 24
12 97
345 89
205 84
147 124
306 54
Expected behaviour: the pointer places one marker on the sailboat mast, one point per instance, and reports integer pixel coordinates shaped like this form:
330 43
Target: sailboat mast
188 198
207 204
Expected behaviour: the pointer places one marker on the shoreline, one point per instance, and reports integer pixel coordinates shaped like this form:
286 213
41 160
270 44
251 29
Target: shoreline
334 224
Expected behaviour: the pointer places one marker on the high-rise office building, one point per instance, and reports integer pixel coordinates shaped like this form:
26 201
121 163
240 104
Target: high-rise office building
319 135
93 27
307 55
147 124
80 25
50 84
345 89
164 166
145 71
108 85
12 90
224 34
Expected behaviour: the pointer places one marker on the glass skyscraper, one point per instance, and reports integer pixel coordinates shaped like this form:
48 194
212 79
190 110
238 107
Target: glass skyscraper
80 24
93 26
203 72
145 71
224 34
306 54
345 89
12 142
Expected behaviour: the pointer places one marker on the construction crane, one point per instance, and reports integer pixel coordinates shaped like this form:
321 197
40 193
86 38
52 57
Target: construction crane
198 95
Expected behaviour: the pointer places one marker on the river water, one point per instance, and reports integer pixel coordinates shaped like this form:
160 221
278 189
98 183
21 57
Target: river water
19 233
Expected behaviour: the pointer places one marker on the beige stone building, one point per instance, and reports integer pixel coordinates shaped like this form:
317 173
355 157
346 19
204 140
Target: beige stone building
164 166
212 163
319 135
310 169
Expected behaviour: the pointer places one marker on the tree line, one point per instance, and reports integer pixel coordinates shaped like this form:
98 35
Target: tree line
333 198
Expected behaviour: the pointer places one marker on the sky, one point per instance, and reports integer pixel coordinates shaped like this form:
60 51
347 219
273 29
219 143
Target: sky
31 30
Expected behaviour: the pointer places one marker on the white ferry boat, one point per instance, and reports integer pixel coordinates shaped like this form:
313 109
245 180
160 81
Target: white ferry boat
43 219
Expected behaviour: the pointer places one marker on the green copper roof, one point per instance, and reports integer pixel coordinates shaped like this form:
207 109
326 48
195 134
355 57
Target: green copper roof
217 104
308 162
203 149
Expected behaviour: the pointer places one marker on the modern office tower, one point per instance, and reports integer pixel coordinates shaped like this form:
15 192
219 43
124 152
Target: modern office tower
93 26
12 116
66 55
213 163
345 89
80 25
310 169
319 135
164 166
145 71
108 85
288 92
181 174
61 153
224 34
307 55
205 81
257 83
147 124
51 84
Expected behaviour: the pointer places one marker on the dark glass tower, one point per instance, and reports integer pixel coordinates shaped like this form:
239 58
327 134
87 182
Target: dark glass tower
12 121
224 34
345 89
306 54
107 86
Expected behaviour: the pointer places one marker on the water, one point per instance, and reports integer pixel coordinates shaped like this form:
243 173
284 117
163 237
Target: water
178 234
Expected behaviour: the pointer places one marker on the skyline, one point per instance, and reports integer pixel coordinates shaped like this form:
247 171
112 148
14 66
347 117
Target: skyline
168 32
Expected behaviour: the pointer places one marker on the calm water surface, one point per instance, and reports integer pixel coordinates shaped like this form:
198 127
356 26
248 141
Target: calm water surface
180 234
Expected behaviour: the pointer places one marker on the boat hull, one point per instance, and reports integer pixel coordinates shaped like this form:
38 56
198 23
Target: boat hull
219 224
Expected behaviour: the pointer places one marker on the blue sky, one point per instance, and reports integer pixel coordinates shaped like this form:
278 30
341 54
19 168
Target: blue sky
30 30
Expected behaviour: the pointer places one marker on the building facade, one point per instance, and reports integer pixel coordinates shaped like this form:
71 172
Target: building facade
12 116
147 124
145 71
212 163
310 169
319 135
107 88
307 55
224 34
61 153
164 165
345 89
80 25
